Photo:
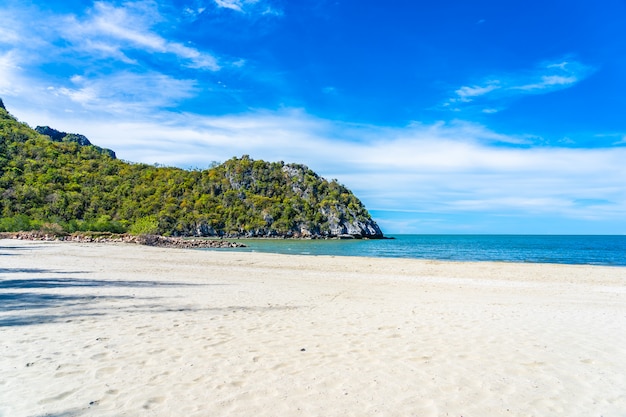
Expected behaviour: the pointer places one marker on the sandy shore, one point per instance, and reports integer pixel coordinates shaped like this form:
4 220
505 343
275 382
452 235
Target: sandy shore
124 330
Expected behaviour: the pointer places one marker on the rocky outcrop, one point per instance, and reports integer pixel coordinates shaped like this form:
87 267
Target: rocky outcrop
290 200
55 135
342 221
58 136
177 242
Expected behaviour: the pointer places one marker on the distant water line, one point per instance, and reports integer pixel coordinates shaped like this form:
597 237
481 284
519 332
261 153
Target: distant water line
568 249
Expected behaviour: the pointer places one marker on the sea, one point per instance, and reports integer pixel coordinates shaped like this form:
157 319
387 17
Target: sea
568 249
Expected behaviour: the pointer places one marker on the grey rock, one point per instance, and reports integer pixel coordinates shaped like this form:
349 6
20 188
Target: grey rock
58 136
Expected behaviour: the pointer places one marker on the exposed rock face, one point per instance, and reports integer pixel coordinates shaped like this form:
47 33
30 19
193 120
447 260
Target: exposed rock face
203 229
54 134
57 136
321 209
342 222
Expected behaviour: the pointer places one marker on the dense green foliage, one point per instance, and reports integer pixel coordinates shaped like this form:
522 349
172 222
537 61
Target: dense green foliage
80 188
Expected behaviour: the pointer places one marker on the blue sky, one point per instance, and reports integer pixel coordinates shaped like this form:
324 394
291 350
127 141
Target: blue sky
442 117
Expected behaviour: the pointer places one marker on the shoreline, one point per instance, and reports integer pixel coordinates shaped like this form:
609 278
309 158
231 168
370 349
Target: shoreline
114 329
228 243
106 237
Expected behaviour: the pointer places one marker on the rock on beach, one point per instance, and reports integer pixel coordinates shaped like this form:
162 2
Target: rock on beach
149 240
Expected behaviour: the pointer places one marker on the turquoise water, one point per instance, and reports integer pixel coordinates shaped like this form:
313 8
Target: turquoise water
592 250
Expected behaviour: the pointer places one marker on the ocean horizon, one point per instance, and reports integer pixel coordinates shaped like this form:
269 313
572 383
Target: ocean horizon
607 250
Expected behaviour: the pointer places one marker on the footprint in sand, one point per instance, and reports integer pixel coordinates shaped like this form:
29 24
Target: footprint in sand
153 402
62 374
99 356
107 370
58 397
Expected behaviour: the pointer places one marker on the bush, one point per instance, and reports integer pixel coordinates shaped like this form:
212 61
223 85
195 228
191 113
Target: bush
105 224
18 223
101 224
54 229
145 226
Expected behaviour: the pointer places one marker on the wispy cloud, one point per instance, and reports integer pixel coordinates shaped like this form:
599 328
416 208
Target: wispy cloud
103 32
467 94
114 32
611 139
111 52
258 7
8 36
9 69
618 139
546 78
549 82
231 4
118 93
125 91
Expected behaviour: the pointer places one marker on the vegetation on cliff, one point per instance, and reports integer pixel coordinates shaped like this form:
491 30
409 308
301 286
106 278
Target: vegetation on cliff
66 182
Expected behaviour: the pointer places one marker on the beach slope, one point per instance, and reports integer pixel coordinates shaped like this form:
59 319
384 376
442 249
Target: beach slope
128 330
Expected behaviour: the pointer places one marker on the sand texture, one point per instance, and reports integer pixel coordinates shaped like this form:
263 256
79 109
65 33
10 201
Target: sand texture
126 330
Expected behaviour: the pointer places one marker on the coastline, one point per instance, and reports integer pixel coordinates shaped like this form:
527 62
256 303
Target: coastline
109 329
105 237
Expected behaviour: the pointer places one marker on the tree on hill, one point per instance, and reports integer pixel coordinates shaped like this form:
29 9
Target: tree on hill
79 186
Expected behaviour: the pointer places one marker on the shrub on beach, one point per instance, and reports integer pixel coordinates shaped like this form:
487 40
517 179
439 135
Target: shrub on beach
17 223
54 229
145 226
103 223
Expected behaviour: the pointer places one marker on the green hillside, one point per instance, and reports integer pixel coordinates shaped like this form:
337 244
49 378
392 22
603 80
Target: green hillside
70 183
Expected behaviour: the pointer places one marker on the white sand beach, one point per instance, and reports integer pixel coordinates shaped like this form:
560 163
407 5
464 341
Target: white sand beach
128 330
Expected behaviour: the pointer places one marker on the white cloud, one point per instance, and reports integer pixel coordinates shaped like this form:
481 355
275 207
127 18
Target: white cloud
251 7
8 36
125 91
114 31
105 31
230 4
193 13
549 82
467 93
120 93
546 78
551 76
9 74
271 11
